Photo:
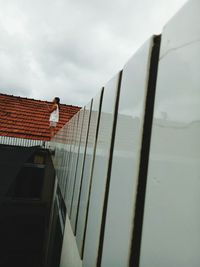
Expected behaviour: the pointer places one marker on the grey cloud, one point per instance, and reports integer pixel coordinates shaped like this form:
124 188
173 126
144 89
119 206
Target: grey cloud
71 48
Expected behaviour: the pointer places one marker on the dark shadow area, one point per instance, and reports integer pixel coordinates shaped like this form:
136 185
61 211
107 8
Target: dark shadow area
27 184
56 240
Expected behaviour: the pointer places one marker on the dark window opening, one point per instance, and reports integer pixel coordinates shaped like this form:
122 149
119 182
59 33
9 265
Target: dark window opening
38 158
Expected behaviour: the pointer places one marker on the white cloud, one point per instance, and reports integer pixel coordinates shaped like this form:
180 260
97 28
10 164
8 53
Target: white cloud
71 48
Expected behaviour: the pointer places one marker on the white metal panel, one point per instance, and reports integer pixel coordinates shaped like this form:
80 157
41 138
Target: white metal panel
76 143
81 155
86 176
171 229
80 125
100 174
69 147
70 255
74 122
126 158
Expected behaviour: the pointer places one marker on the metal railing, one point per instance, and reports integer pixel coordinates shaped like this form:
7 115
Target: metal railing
13 141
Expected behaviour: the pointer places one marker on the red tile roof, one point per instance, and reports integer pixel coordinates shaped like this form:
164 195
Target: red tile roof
29 118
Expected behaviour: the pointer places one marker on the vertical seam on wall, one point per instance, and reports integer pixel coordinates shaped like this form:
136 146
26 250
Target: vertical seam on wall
68 168
83 163
72 163
91 174
107 189
80 190
144 156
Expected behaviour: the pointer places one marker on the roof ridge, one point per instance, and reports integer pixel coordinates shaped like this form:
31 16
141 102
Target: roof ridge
37 100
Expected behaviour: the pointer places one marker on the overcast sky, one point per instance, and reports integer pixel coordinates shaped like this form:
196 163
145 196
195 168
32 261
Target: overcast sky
71 48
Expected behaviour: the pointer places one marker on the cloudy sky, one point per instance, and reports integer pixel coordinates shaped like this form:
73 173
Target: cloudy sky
71 48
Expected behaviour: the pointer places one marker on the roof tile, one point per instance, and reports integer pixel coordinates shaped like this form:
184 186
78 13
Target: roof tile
29 118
